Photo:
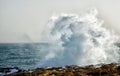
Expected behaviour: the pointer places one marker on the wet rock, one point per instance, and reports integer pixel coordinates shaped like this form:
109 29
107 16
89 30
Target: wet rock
73 70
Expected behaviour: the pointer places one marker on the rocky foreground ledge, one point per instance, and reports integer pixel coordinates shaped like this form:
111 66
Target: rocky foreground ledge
91 70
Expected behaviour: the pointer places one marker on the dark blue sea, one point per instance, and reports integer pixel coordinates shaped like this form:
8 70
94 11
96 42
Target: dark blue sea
20 55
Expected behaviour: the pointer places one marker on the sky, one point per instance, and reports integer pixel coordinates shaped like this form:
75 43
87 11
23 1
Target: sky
24 20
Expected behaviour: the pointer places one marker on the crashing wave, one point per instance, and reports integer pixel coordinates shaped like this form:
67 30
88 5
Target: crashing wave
79 40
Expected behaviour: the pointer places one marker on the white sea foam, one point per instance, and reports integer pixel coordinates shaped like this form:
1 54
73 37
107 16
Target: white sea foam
79 40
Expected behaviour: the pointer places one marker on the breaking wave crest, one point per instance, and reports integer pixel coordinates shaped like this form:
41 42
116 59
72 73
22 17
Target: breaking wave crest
79 40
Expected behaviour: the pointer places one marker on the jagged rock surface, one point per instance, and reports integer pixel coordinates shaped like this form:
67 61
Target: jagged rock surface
91 70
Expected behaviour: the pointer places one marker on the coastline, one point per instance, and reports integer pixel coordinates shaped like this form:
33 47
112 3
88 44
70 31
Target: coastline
112 69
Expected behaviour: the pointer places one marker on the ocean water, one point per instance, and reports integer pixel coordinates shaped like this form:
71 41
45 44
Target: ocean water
69 39
22 55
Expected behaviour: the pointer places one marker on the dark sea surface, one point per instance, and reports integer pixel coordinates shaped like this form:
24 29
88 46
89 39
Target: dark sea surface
20 55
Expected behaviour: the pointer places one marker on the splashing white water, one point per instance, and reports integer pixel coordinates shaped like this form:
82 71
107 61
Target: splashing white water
79 40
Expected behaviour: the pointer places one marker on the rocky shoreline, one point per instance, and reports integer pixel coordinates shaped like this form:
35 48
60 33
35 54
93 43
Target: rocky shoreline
73 70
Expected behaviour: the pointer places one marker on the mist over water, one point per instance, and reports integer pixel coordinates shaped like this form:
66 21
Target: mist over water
70 39
79 40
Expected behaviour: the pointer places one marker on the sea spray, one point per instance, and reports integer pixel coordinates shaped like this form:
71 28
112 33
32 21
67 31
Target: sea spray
78 40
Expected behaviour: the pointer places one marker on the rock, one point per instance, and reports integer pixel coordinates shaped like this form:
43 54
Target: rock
73 70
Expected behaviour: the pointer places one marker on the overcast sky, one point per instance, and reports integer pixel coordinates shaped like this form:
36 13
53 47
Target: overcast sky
24 20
